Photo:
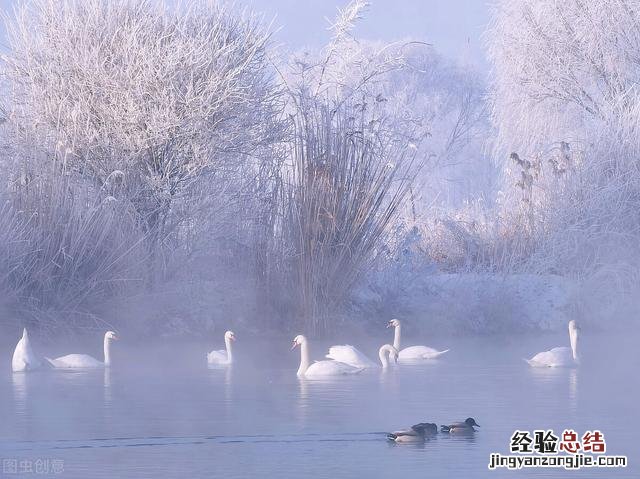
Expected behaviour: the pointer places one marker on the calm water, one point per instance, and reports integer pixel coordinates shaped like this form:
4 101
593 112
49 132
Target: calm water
159 412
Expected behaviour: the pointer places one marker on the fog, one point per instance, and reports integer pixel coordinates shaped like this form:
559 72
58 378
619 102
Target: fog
176 170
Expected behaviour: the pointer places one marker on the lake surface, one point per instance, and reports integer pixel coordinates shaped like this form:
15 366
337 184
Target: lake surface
160 412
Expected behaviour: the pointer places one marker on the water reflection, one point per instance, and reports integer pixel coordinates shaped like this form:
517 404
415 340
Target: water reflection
573 389
302 404
20 390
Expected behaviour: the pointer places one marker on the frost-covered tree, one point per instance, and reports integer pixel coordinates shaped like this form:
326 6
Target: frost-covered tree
566 111
144 99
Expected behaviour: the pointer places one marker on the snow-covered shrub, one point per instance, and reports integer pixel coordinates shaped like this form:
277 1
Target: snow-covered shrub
565 107
168 95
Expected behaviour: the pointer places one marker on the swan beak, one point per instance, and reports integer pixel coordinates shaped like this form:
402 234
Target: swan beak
233 338
116 338
293 346
389 325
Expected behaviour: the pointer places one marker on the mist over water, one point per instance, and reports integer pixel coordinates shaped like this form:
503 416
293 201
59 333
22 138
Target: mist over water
159 411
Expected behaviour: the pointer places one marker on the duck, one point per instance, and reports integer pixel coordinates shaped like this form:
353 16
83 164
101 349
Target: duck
24 358
412 353
320 368
223 357
84 361
560 356
417 433
465 427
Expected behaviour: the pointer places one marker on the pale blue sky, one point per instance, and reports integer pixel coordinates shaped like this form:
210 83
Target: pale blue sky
454 27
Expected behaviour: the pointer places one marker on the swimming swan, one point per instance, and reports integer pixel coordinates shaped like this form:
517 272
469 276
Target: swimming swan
81 361
412 352
559 357
350 355
23 357
223 357
319 368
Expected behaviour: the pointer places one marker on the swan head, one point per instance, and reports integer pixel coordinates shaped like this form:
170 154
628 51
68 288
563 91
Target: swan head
573 325
111 336
230 335
394 323
471 422
298 341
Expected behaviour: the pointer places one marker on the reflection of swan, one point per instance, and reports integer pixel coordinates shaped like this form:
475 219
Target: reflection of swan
412 352
23 357
222 357
573 388
81 361
20 390
562 356
319 368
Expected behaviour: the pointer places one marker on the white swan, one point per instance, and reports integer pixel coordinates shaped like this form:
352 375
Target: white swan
558 357
23 357
387 352
81 361
319 368
222 357
412 352
353 357
350 355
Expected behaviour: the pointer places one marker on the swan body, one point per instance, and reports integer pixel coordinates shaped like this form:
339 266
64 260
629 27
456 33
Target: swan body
223 357
411 353
24 358
84 361
350 355
560 356
420 352
320 368
417 433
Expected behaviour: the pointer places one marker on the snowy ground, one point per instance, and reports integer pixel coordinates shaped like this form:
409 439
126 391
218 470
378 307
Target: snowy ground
473 303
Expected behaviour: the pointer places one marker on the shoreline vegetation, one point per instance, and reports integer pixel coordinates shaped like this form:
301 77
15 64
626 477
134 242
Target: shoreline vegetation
171 170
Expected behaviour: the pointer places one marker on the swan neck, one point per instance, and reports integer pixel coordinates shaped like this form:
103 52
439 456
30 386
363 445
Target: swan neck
573 337
227 343
384 358
304 358
107 351
396 337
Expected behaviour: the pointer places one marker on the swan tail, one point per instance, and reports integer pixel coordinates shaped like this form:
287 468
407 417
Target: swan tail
439 353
